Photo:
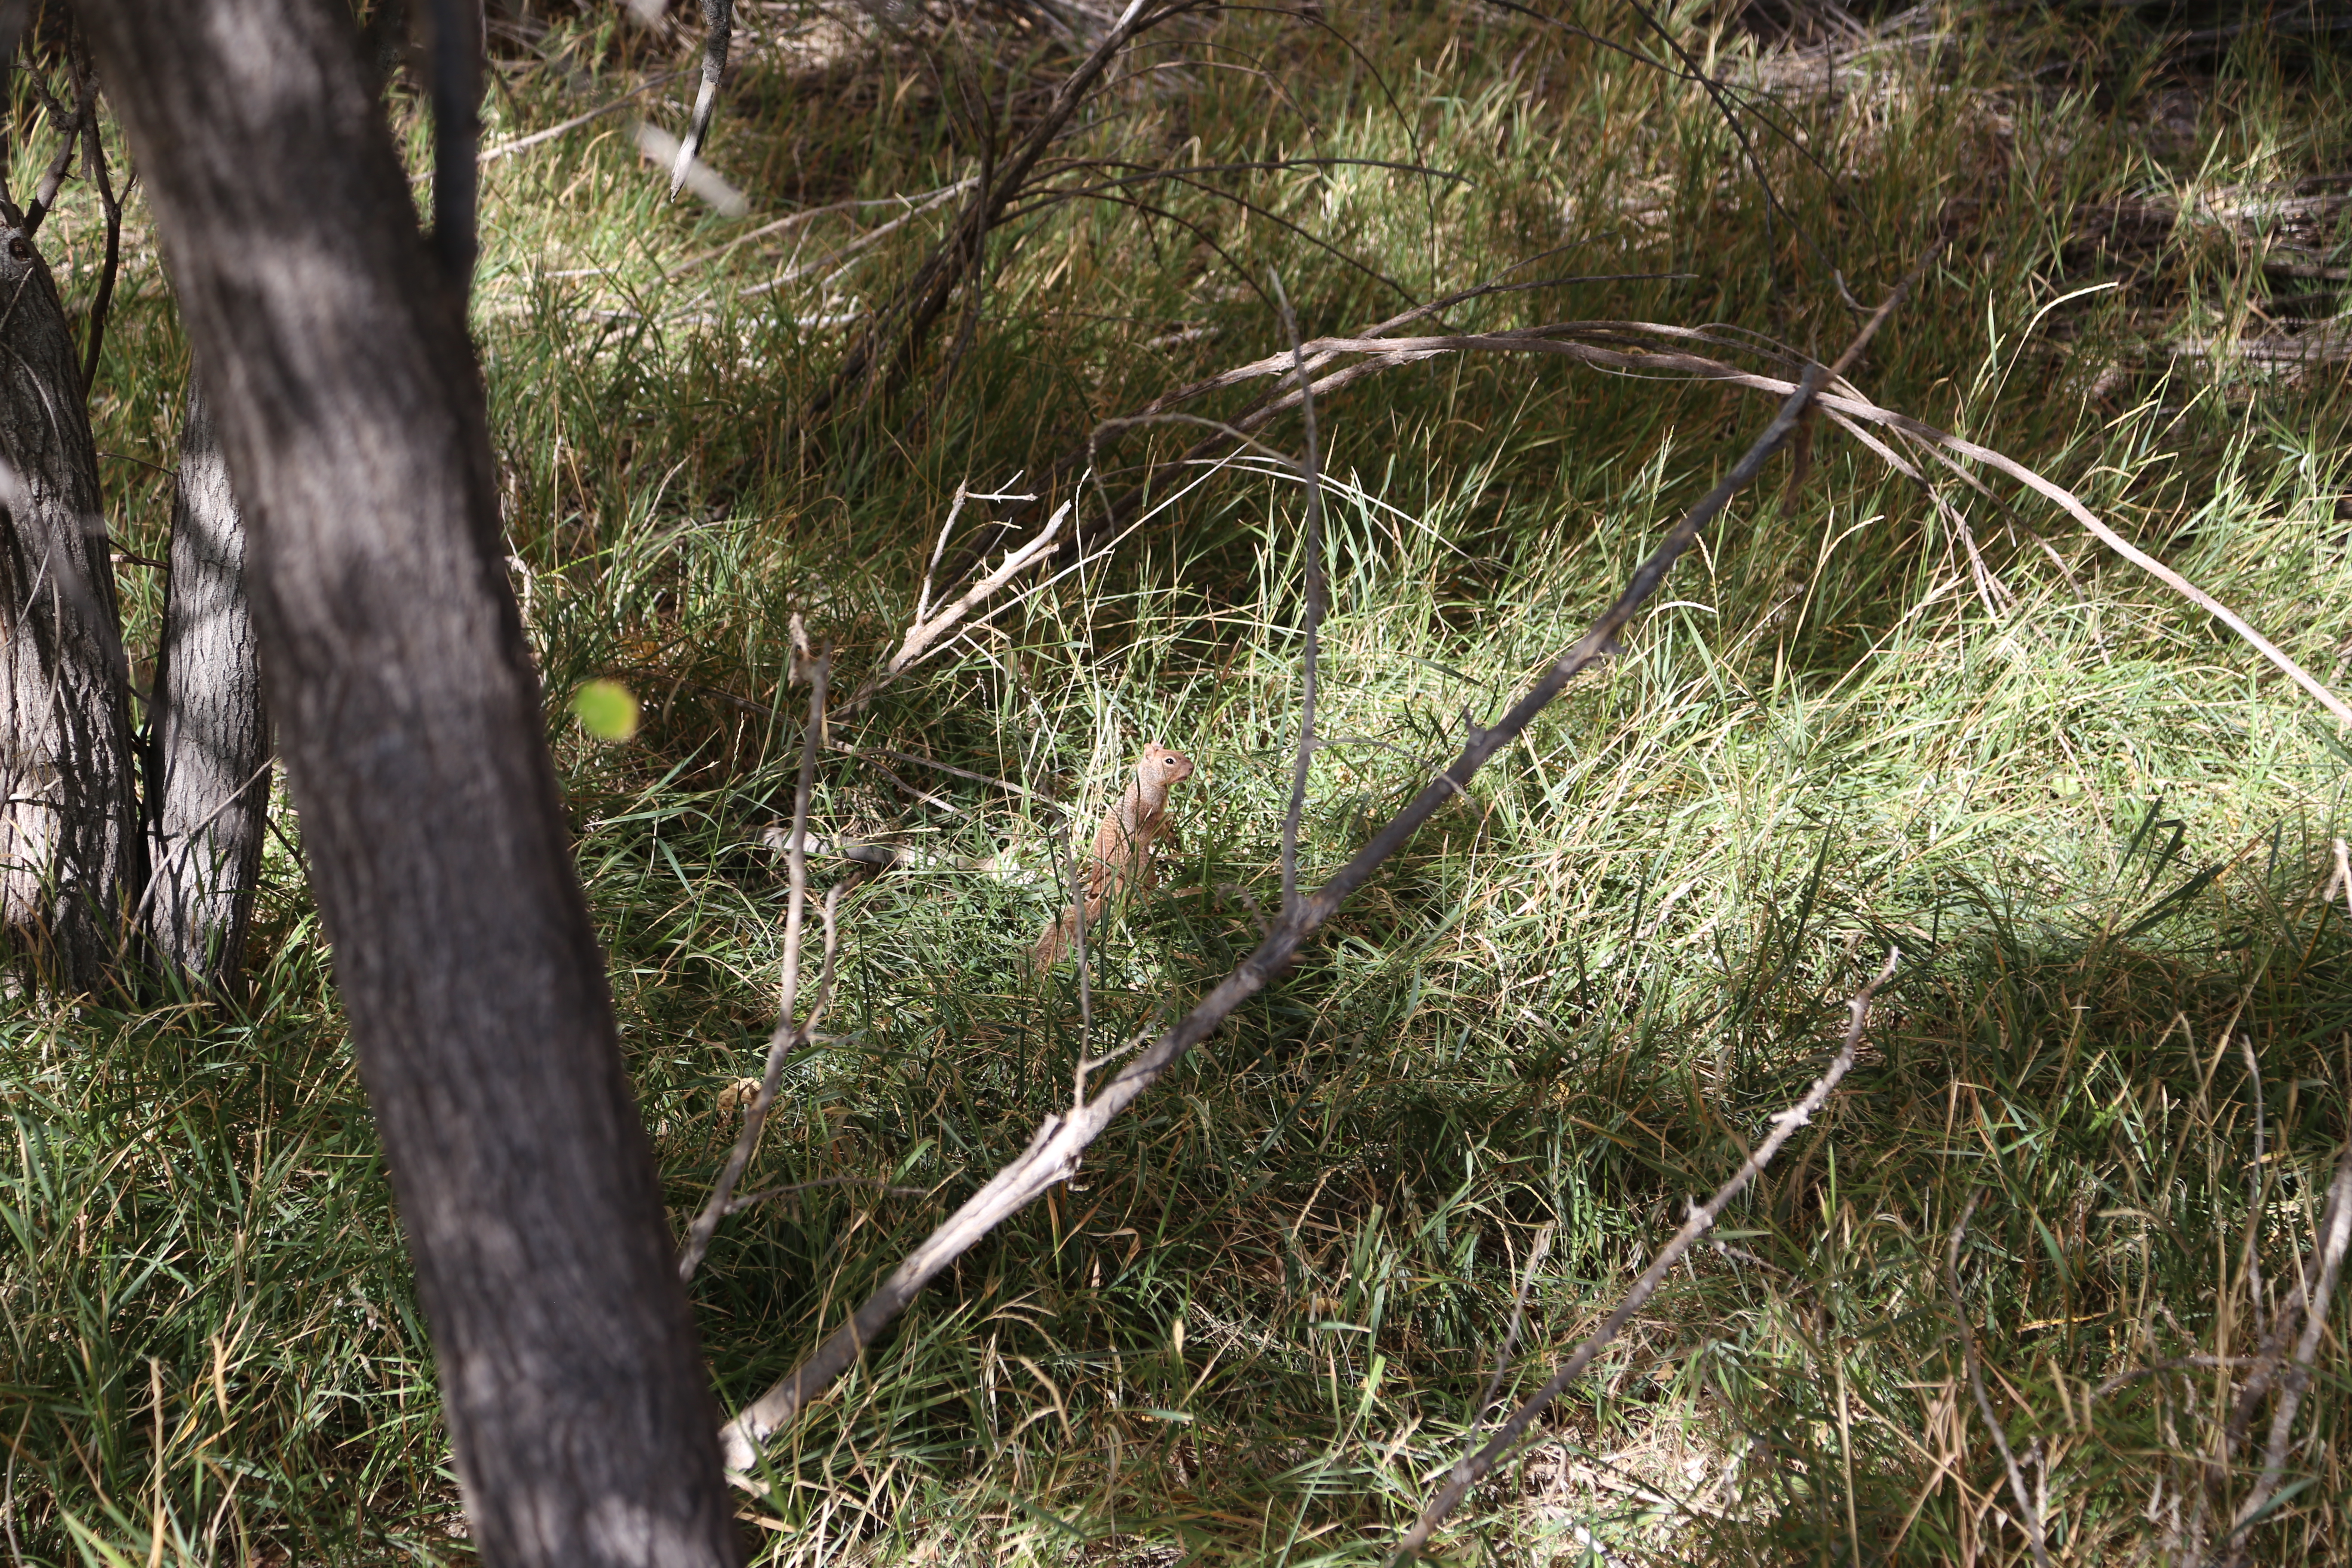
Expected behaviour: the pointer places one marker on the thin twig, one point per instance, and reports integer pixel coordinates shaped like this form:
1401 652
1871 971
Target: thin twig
918 202
922 635
2254 1188
786 1037
1474 1468
1535 1256
94 164
1053 1153
85 110
2033 1516
2335 1238
902 325
523 143
1387 353
718 16
1317 594
737 1205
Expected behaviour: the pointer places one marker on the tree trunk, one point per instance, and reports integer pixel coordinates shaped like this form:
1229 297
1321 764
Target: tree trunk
412 732
208 791
70 847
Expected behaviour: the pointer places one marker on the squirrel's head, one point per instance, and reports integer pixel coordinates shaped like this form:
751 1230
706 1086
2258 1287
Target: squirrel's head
1161 766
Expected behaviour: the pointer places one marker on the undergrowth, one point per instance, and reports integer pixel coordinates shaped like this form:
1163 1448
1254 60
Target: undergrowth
1261 1321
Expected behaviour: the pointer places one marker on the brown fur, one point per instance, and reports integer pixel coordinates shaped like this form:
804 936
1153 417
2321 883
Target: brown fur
1121 857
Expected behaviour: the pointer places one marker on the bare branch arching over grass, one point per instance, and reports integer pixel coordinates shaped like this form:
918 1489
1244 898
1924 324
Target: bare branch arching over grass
1053 1153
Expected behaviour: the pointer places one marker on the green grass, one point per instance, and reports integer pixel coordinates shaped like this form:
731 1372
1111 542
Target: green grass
1256 1324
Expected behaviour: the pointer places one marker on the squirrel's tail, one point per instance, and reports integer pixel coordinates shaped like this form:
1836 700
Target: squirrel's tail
1055 942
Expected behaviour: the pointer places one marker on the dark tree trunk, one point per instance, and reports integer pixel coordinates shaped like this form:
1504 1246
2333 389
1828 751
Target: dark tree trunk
209 788
71 852
412 732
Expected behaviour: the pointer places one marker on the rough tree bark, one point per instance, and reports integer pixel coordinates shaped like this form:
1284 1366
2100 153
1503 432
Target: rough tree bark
410 725
208 789
71 851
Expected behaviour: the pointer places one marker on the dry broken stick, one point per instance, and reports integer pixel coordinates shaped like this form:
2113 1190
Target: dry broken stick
2333 1240
1474 1468
1053 1153
1618 350
924 634
786 1037
2033 1516
719 17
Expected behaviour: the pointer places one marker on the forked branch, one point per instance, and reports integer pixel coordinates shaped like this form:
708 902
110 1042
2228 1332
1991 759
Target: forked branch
787 1037
1054 1153
1474 1468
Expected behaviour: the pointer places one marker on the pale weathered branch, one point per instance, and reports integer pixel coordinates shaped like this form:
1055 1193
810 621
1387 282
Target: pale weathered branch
1474 1468
1381 354
1317 596
924 634
1053 1154
782 1043
2335 1238
2034 1534
719 17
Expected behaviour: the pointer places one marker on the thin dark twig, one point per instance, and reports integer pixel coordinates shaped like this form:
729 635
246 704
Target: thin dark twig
1535 1256
750 1200
85 110
2254 1188
2033 1516
1053 1154
1474 1468
1317 592
718 19
94 170
911 313
786 1037
2334 1240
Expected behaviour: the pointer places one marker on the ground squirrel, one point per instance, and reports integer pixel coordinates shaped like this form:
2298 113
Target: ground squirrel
1121 857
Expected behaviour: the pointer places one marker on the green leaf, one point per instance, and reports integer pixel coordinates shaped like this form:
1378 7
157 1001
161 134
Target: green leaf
607 710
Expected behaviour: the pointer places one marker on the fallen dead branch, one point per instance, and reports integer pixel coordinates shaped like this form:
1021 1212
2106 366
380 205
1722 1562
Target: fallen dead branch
1617 345
719 21
524 143
2024 1500
1053 1153
1474 1468
787 1036
2318 1284
926 630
